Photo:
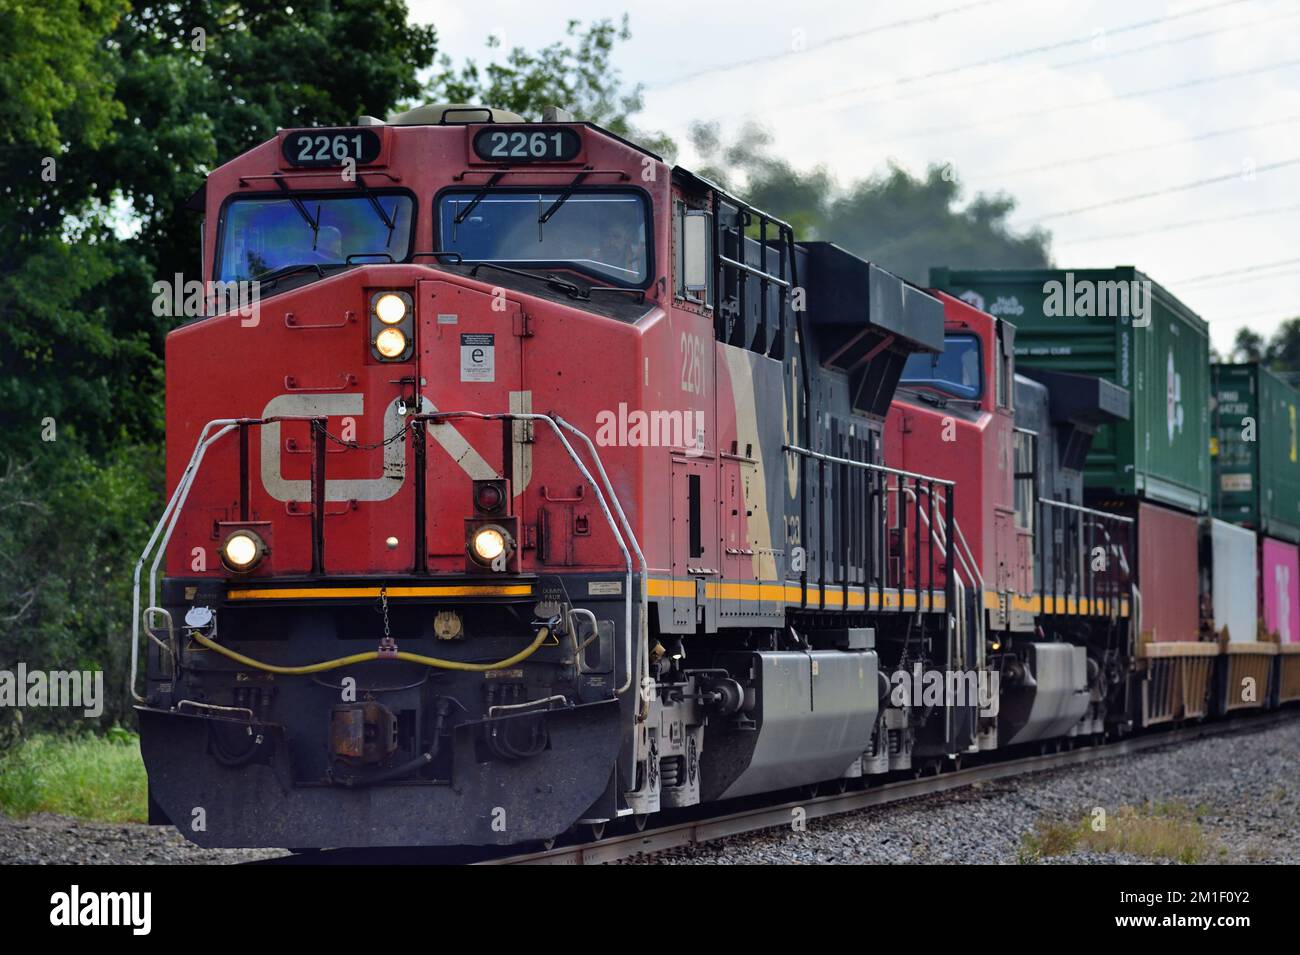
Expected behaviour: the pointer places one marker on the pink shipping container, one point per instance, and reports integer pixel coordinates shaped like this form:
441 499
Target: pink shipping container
1279 579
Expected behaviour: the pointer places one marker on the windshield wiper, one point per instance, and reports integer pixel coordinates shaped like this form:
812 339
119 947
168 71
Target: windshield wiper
270 278
478 197
388 222
553 281
563 198
313 224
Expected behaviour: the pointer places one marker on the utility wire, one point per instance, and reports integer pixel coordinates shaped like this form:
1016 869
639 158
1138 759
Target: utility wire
1065 162
1079 61
1032 50
1185 224
1258 267
1100 101
1241 280
830 41
1181 187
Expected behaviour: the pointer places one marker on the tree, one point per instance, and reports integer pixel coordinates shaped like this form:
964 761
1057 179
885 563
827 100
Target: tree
1248 346
904 223
135 103
1283 352
577 75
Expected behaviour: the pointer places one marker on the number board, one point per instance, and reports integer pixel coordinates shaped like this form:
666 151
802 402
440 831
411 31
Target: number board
512 144
330 147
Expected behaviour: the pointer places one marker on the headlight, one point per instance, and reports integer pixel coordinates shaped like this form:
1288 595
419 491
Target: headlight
488 544
390 343
390 308
242 551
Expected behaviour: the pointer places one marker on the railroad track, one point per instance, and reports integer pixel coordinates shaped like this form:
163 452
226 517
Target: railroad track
710 829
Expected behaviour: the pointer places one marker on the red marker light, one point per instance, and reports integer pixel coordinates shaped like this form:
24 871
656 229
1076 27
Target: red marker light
488 497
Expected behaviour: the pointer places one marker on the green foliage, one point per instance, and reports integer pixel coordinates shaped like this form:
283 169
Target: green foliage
575 75
71 529
100 779
904 223
136 103
54 85
78 344
1281 353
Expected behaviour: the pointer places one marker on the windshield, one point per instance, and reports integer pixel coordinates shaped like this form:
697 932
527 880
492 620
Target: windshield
260 236
602 233
956 370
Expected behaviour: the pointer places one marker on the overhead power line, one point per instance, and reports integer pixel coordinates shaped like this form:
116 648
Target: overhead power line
1095 58
1181 187
1242 280
1066 162
1099 101
1033 50
830 41
1185 224
1257 267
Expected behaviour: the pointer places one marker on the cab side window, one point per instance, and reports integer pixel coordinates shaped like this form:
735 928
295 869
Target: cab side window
692 254
1005 365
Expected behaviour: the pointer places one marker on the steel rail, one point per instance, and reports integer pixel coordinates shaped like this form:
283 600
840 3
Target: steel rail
701 831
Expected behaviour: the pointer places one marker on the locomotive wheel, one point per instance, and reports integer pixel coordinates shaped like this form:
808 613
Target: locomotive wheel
547 844
639 822
595 831
842 785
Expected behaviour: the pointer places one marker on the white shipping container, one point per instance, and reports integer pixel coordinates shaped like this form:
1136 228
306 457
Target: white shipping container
1234 556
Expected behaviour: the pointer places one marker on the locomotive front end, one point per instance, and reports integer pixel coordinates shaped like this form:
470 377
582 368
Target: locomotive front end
397 596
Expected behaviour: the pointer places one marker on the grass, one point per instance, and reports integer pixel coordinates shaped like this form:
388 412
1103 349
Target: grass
1154 831
96 778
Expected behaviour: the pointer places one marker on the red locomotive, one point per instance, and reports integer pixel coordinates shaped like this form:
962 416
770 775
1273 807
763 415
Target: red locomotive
542 485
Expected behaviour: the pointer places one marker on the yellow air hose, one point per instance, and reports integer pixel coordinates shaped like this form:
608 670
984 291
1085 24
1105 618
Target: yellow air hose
523 654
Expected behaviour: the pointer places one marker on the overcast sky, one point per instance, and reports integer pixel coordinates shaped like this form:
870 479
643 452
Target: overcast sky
1012 93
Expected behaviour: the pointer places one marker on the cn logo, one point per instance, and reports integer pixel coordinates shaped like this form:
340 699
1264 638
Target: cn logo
390 481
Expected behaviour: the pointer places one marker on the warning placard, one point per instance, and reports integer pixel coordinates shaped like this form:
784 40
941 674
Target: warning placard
478 357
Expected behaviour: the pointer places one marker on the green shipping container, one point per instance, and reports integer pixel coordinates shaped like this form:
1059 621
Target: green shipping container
1256 475
1116 324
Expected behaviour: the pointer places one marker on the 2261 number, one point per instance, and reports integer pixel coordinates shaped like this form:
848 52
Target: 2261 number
531 144
330 147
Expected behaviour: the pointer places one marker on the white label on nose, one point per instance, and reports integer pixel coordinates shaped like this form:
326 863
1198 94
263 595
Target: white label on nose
478 357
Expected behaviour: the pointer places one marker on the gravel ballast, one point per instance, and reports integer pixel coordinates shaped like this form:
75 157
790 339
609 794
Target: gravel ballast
1241 793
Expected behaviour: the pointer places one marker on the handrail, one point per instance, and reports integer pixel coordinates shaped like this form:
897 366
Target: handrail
1065 505
437 417
1110 587
884 469
214 430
